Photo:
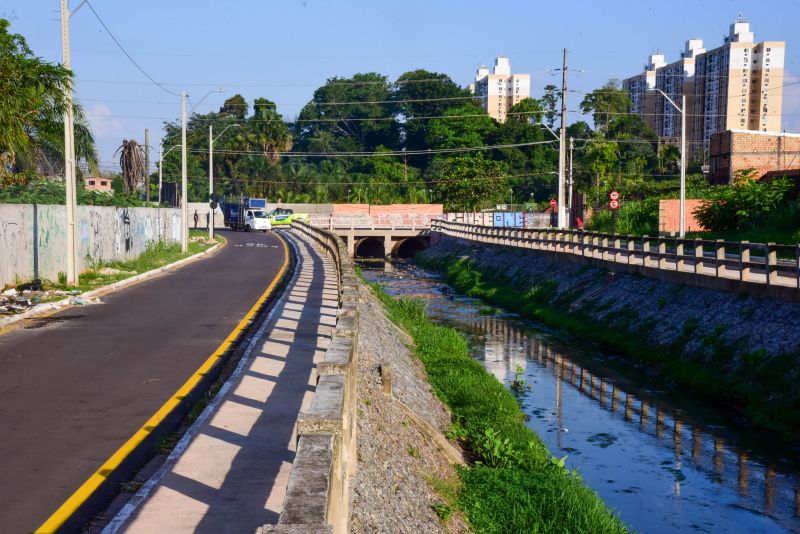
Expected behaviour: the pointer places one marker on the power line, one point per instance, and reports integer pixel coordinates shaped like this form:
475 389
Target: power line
126 52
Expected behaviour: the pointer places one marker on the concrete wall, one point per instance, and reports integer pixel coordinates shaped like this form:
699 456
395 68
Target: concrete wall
669 219
33 237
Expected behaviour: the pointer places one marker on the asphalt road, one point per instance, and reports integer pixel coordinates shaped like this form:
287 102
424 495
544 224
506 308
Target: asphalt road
76 386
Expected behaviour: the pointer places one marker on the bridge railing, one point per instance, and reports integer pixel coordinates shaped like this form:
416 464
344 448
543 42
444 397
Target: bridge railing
317 495
733 264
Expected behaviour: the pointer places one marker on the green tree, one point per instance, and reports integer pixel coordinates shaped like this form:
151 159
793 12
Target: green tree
606 103
31 112
550 103
469 181
235 107
464 126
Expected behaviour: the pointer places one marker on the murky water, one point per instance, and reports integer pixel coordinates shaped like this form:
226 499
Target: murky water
666 463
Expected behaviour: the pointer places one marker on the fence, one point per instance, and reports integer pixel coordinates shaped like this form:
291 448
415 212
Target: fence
317 496
377 221
33 237
762 268
515 219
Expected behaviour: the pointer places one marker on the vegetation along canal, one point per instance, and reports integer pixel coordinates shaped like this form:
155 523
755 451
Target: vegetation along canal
664 462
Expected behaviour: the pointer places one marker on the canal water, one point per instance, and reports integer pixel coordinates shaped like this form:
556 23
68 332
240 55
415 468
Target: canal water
664 462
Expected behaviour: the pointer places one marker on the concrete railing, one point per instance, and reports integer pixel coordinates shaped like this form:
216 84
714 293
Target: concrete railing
755 268
317 496
382 221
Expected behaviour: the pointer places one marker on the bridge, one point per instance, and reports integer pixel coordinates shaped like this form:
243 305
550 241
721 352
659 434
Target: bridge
381 235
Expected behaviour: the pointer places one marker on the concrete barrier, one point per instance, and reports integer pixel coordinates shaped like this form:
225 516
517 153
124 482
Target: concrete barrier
317 496
33 237
758 269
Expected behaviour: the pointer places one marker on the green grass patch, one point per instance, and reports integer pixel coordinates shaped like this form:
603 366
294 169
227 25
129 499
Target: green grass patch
156 255
515 485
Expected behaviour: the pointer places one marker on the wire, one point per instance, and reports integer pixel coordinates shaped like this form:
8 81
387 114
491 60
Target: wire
160 86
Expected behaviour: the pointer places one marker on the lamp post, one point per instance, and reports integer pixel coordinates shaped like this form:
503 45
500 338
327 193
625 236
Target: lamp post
211 140
682 211
348 195
184 180
562 210
430 196
511 206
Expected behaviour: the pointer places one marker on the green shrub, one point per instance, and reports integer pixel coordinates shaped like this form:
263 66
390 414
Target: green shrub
746 204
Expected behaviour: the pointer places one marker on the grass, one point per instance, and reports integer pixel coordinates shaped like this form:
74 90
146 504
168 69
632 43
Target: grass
763 389
156 255
514 484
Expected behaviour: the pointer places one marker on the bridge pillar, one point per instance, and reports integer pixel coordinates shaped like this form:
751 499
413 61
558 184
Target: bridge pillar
351 245
387 245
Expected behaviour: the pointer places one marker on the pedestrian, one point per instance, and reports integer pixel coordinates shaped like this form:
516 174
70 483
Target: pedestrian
579 223
196 217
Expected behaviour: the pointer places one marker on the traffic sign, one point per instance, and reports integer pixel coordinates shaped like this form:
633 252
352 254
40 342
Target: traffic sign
553 203
614 204
614 195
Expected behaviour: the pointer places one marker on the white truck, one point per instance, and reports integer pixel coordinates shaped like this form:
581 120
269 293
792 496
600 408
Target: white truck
247 214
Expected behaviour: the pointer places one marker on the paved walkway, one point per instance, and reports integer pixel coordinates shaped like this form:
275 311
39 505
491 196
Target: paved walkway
232 474
78 384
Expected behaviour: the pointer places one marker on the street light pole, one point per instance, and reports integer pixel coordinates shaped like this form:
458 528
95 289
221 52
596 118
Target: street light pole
184 180
562 145
69 154
682 209
160 168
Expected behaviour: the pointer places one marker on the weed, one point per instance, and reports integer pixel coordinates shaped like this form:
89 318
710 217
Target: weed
62 278
413 452
443 511
518 384
367 402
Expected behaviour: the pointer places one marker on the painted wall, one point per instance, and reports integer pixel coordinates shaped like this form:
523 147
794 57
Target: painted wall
33 237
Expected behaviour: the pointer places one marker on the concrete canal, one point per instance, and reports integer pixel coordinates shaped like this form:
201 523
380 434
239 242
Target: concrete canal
665 462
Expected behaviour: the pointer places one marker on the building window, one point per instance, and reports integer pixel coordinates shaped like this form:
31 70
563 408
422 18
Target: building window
103 183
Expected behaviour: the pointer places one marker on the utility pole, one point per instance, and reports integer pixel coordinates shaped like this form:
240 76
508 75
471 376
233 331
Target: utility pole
569 196
160 168
682 214
184 179
147 165
562 145
210 179
69 154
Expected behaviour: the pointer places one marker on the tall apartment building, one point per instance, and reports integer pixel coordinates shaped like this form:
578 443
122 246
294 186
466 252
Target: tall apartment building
500 90
735 86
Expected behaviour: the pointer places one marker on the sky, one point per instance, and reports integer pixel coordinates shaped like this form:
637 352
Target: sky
284 49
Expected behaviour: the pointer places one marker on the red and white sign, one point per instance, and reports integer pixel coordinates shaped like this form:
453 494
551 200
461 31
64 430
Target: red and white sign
614 204
614 195
553 203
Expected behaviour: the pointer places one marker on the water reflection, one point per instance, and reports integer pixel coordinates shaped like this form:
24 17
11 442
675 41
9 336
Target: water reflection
664 469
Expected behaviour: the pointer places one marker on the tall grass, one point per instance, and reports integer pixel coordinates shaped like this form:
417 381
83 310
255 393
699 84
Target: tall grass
515 485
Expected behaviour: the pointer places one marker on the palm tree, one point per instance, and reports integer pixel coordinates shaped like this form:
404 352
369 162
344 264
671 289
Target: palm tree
131 161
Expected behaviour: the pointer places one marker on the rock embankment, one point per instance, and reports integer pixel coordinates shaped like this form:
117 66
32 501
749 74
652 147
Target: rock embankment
397 458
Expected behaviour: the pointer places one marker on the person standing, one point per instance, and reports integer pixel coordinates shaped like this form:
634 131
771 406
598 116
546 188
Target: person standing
196 217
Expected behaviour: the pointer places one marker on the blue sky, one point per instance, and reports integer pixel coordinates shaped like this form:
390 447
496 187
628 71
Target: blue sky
283 50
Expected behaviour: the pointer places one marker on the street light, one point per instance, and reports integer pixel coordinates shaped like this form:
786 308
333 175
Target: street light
211 140
682 212
211 92
562 210
512 199
430 196
348 195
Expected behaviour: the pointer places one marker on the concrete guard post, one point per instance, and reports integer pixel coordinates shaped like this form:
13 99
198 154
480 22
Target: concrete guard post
317 496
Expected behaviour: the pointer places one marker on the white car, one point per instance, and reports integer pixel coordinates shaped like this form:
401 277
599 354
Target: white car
256 220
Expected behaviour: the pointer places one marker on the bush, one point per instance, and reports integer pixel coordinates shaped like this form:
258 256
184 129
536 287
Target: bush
637 217
747 204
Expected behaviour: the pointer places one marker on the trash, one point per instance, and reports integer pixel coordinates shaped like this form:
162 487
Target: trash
9 292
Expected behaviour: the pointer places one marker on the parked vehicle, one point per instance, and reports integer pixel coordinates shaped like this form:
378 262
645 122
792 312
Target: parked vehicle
246 214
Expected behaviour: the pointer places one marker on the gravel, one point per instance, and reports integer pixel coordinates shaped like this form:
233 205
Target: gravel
391 491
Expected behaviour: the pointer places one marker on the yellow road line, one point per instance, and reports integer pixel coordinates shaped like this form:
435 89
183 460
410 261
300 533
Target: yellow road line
80 496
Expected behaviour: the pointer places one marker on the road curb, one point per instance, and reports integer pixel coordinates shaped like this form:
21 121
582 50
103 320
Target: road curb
52 307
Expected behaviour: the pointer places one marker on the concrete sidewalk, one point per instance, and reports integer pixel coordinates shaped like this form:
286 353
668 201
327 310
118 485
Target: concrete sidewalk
232 474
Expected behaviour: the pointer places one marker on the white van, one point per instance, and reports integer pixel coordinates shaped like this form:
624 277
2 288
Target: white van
256 220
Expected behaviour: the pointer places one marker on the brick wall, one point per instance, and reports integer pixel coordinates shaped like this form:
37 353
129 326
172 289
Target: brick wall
669 216
732 151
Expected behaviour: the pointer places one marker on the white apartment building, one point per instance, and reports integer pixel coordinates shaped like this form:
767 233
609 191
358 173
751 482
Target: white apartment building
500 90
735 86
